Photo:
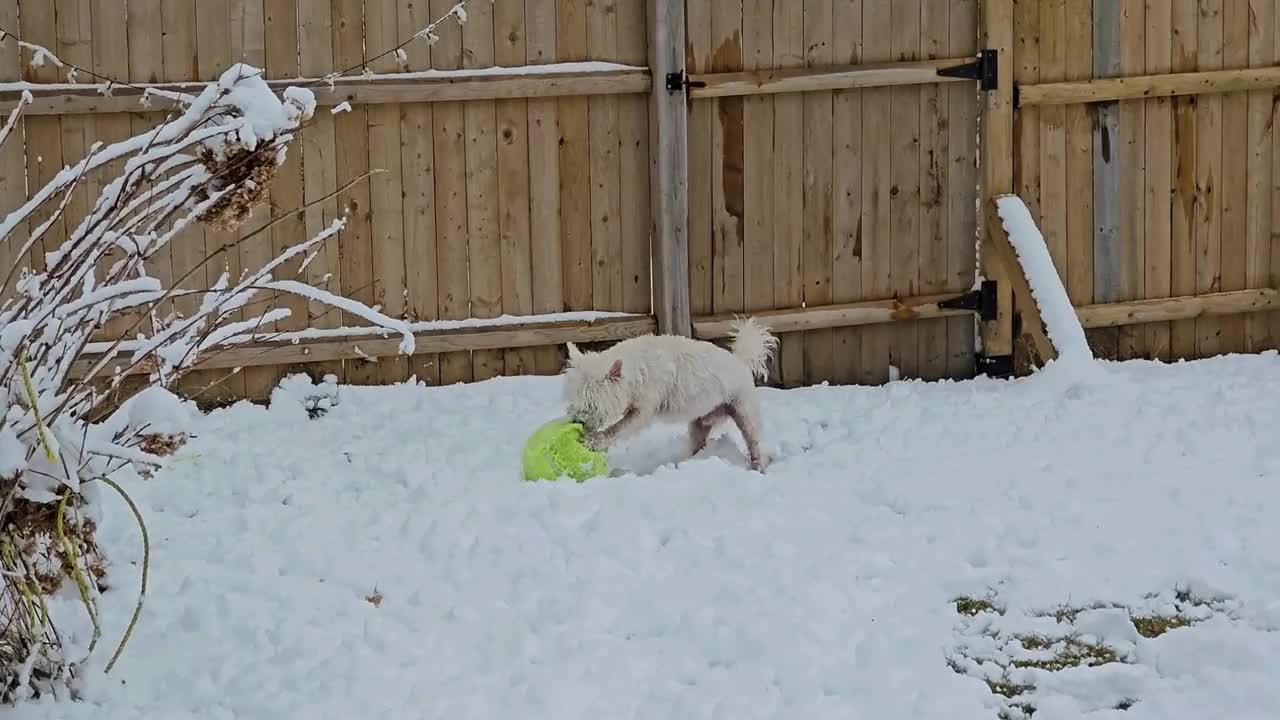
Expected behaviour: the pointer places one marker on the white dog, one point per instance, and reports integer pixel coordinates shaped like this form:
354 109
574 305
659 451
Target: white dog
670 378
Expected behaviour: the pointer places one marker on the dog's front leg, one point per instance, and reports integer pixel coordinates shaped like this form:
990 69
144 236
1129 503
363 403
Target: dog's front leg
602 439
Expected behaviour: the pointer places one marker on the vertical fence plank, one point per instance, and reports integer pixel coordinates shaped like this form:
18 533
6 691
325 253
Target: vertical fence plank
1273 279
280 50
75 44
43 134
727 161
513 182
1235 178
633 155
417 172
1079 65
1259 169
904 194
962 185
997 169
818 170
933 181
605 168
249 45
450 145
1158 204
1133 173
877 154
669 170
320 173
351 156
544 193
757 133
146 54
1208 261
13 161
485 258
1053 135
575 164
788 181
846 224
1185 16
1108 158
213 30
382 30
701 118
110 19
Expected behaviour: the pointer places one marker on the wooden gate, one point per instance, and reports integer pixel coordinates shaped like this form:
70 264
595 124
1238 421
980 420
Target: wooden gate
832 165
1143 145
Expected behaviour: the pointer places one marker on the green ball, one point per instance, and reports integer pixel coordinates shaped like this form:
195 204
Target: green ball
556 450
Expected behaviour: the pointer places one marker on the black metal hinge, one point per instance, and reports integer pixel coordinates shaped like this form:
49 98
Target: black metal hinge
985 70
678 81
995 366
982 301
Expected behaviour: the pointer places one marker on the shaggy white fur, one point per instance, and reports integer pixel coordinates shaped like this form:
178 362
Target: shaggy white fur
668 378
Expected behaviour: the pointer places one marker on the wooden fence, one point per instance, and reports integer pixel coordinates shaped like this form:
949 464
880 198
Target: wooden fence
1161 184
817 162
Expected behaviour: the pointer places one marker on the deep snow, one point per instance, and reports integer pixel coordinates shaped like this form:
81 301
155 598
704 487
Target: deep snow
823 589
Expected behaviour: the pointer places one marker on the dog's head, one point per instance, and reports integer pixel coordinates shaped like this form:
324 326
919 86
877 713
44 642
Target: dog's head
593 389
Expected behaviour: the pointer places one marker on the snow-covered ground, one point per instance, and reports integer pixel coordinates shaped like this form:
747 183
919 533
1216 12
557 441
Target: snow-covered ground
824 589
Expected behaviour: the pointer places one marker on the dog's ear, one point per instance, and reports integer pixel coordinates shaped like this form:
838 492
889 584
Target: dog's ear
574 353
615 372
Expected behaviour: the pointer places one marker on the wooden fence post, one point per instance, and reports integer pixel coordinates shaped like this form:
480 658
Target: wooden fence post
996 155
669 168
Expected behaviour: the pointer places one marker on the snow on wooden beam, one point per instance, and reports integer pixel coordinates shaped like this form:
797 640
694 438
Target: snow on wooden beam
535 81
328 346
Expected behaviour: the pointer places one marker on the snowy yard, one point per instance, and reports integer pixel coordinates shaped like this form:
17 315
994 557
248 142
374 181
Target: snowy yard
385 560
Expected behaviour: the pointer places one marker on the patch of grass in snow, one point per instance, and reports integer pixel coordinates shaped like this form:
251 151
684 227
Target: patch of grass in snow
1066 652
973 607
1153 626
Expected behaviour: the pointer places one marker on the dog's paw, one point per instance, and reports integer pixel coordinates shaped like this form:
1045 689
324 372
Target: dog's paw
597 441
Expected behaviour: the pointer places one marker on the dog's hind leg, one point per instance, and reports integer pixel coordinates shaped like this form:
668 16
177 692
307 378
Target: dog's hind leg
700 429
746 416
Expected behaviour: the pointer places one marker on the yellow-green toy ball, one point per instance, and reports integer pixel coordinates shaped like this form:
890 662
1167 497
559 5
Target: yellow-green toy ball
556 450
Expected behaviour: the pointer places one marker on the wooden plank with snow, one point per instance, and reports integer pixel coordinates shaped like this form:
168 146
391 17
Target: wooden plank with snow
581 79
371 344
846 222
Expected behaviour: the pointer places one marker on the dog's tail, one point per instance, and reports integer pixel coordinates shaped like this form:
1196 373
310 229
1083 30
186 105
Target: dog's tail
753 344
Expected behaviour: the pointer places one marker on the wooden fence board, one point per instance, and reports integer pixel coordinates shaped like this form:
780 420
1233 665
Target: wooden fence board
727 163
1131 340
847 146
43 135
452 250
904 193
387 189
933 234
876 167
758 189
788 181
544 193
1260 173
513 183
1185 14
604 166
1235 178
633 158
1208 227
818 174
575 164
1158 180
962 183
1078 51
